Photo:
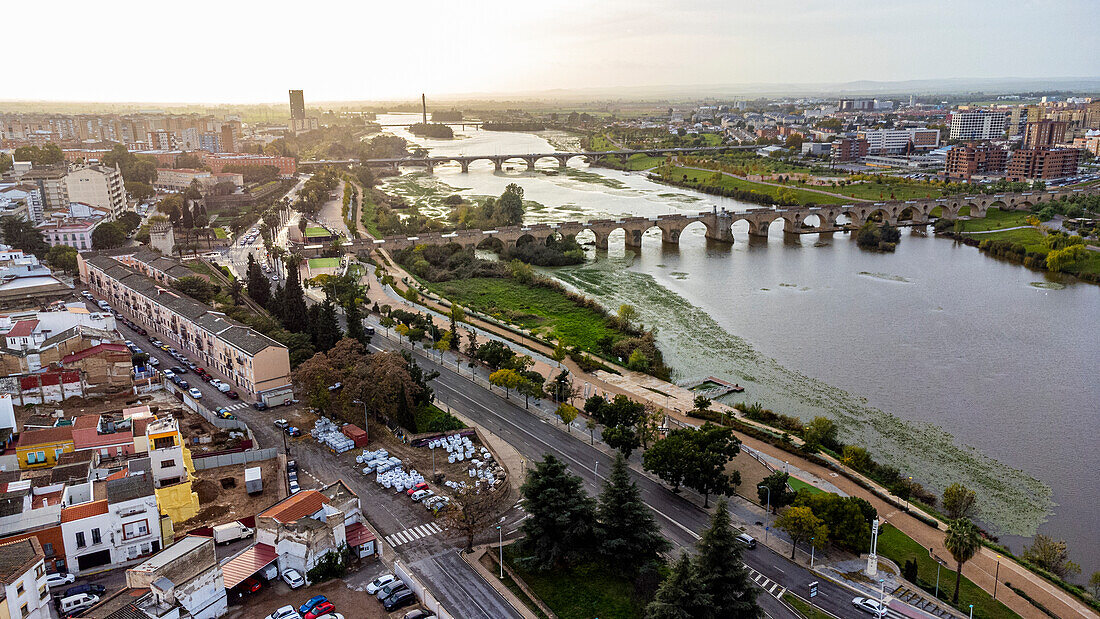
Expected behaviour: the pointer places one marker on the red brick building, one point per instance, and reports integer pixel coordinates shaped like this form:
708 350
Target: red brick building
849 149
1042 163
218 161
972 159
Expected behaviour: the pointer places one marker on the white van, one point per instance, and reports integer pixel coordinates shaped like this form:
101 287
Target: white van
76 603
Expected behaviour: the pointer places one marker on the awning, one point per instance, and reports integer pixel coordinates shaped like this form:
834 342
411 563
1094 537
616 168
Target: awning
244 565
357 534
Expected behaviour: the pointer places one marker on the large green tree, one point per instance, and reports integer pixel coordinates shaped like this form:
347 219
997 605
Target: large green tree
848 518
962 541
559 528
197 287
258 287
108 235
629 538
21 234
724 576
62 257
670 457
713 448
48 154
958 501
773 491
681 595
294 301
510 205
802 525
324 326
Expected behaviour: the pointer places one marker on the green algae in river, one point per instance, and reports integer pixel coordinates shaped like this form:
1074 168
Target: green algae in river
1048 285
885 277
694 343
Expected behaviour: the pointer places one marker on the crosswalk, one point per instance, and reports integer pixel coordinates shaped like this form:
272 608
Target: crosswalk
238 406
770 586
413 533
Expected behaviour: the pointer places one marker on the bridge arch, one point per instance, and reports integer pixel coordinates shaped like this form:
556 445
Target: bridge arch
910 213
491 243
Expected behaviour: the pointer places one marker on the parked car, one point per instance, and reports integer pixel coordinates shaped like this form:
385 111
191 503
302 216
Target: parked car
311 603
76 603
747 540
153 361
251 585
224 413
294 487
184 384
260 406
292 465
868 605
390 589
178 370
418 487
401 599
232 395
320 610
282 424
286 612
419 614
194 393
331 616
59 579
420 495
223 387
293 578
376 584
90 589
292 431
169 374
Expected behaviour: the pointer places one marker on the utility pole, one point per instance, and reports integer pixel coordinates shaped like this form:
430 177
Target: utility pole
424 108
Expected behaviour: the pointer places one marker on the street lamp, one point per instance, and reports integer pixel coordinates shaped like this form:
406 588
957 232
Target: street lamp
996 577
812 549
500 547
908 491
882 593
767 512
971 611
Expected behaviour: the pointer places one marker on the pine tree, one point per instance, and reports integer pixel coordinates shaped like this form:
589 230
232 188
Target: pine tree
725 578
681 595
326 326
294 303
558 530
258 287
629 538
355 322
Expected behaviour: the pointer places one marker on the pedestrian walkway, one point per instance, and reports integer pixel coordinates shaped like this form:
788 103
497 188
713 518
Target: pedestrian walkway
413 533
769 586
236 407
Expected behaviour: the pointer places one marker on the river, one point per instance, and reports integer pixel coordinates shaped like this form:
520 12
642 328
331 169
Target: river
946 363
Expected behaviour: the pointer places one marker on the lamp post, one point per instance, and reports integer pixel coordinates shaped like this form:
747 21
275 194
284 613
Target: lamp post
767 512
812 549
908 491
882 593
996 577
971 611
500 547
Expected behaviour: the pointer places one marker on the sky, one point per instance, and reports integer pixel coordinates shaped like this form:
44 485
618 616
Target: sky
242 51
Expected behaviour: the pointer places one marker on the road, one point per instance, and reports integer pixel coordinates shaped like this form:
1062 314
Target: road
680 520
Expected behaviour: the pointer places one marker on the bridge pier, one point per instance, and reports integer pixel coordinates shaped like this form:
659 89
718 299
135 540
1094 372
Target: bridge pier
563 162
498 163
530 163
633 238
670 235
465 166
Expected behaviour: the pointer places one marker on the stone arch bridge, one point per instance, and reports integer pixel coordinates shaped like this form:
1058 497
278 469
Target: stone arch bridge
719 223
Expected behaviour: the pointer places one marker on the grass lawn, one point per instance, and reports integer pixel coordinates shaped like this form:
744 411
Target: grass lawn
643 162
219 233
798 484
369 216
804 608
899 547
314 232
200 267
1025 236
584 592
884 191
324 263
803 196
530 307
995 219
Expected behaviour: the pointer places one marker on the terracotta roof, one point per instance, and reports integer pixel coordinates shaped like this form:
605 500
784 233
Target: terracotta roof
305 503
244 565
23 328
84 510
45 435
358 534
85 421
94 350
119 475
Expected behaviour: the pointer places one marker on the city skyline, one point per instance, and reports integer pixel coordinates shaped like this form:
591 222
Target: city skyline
346 52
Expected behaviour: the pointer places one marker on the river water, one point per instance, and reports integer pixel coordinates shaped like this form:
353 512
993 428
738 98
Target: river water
946 363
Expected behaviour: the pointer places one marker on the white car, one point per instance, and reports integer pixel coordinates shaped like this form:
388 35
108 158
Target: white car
169 374
286 612
331 616
420 495
293 578
60 579
380 582
194 393
868 605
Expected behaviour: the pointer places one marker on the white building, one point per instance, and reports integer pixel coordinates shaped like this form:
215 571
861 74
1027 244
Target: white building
23 575
895 141
98 186
184 580
978 125
25 195
110 522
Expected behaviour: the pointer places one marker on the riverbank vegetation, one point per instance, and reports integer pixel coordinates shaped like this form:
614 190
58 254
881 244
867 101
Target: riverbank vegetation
878 237
507 210
432 130
719 184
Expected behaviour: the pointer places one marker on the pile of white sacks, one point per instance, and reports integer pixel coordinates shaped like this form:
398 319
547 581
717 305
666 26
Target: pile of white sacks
328 433
388 470
459 448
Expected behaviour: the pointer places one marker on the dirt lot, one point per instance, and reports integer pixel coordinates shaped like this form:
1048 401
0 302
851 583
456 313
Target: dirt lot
350 603
752 474
85 406
222 494
202 436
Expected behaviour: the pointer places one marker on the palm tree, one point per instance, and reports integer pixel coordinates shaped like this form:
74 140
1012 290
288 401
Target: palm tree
962 541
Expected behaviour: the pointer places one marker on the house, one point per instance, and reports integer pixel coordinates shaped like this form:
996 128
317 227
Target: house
50 541
23 575
110 522
184 580
172 470
103 365
41 448
103 434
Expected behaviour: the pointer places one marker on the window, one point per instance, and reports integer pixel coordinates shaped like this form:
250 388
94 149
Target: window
31 457
41 456
19 589
43 592
95 536
39 571
164 442
135 529
23 612
167 464
47 549
80 543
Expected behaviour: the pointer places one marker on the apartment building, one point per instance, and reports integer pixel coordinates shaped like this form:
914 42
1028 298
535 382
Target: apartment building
1045 134
897 141
966 161
180 179
110 522
258 365
73 226
25 594
52 188
156 266
978 124
1042 163
98 186
849 149
23 195
33 340
218 161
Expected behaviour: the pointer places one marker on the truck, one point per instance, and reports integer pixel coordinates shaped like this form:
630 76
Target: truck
253 482
231 532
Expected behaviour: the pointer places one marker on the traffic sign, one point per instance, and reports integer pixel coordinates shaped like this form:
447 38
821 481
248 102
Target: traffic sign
813 589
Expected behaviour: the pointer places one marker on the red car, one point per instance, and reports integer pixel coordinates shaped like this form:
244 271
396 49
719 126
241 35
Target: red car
421 486
232 395
323 608
251 585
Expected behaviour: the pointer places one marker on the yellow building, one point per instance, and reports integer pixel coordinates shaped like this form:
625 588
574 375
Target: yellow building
173 470
38 449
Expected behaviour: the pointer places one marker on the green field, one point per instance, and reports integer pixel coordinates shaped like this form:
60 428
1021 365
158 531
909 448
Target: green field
1024 236
643 162
530 307
885 191
315 232
583 592
798 484
369 216
803 196
219 233
324 263
899 547
995 219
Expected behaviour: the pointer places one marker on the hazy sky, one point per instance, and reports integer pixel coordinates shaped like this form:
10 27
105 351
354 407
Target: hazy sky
248 50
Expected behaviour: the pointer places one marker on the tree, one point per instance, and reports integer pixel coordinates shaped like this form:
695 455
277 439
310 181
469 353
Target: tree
21 234
713 447
857 457
140 191
510 206
774 488
508 379
354 318
172 206
472 512
724 577
45 155
627 314
681 595
197 288
558 530
962 541
1051 555
958 502
258 287
821 431
62 257
628 536
324 325
294 302
108 235
1094 584
801 524
847 518
567 414
129 221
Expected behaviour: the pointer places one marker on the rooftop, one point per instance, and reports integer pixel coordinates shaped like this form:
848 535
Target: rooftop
45 436
18 557
84 510
296 506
